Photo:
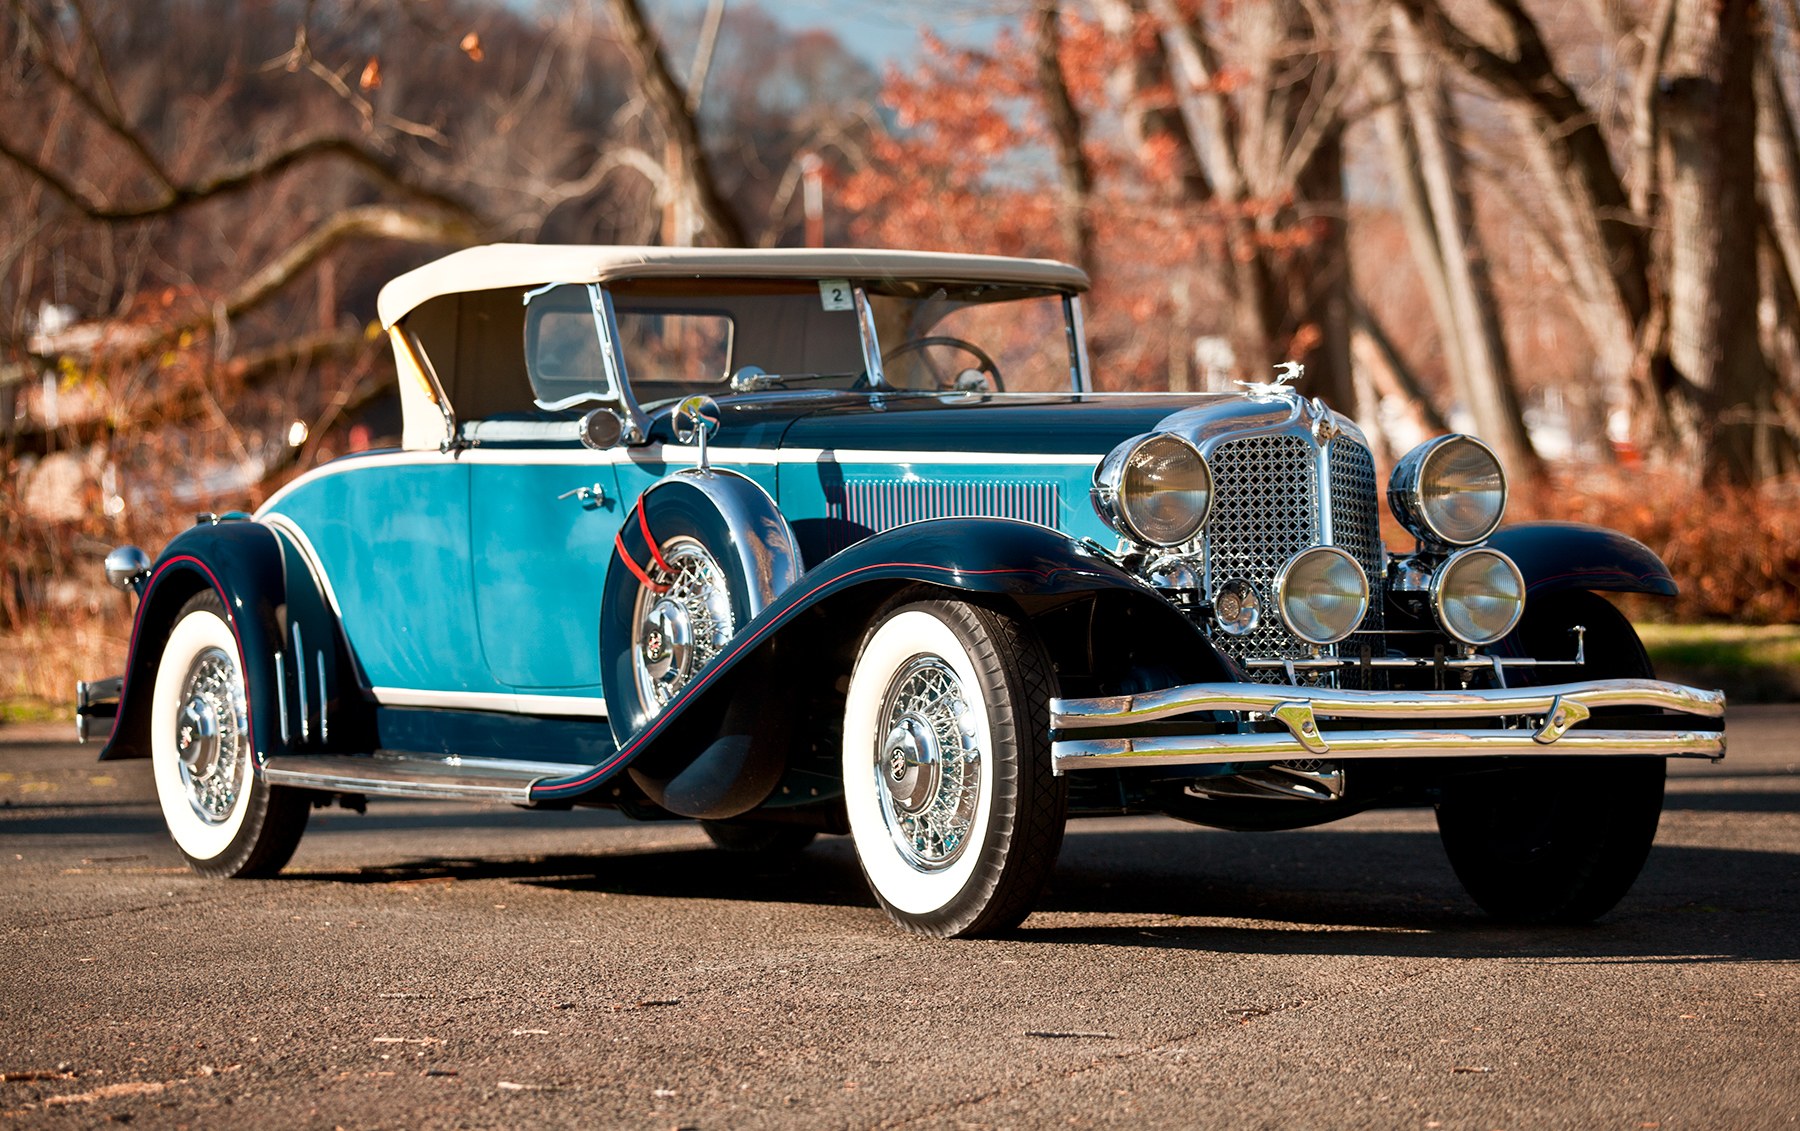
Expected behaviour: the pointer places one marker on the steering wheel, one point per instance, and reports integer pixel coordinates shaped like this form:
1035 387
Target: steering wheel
985 367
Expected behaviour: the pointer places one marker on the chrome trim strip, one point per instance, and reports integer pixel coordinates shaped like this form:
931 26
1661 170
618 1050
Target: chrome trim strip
324 731
389 775
300 679
676 455
1218 749
281 703
575 705
1118 710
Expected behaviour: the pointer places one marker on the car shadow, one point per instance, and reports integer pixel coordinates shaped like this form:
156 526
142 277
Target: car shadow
1310 892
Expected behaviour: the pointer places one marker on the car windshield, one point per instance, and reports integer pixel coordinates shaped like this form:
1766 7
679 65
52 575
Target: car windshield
719 336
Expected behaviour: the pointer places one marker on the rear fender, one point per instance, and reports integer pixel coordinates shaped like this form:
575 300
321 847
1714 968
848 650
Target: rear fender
1038 568
1560 556
302 693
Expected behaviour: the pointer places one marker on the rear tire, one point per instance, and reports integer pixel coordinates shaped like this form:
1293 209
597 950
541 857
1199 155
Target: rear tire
226 820
956 815
1559 841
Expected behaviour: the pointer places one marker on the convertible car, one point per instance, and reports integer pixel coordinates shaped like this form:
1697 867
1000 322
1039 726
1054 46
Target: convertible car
830 541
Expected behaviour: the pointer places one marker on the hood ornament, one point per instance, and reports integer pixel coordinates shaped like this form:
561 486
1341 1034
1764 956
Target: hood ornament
1286 374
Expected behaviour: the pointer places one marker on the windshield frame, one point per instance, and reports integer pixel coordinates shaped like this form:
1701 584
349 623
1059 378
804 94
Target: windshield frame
625 394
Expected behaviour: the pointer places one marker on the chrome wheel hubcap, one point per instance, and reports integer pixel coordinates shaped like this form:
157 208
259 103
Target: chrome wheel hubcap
928 766
675 632
211 731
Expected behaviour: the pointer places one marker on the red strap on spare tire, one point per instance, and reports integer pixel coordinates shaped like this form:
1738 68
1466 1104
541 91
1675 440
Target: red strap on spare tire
655 550
638 571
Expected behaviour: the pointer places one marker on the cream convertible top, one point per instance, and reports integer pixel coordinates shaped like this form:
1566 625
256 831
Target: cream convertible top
503 265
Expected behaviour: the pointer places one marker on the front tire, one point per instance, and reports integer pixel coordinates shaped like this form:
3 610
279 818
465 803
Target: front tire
223 817
1559 841
956 816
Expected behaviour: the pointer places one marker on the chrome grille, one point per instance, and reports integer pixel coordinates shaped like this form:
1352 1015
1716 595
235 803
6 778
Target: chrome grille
1356 526
883 506
1266 501
1265 510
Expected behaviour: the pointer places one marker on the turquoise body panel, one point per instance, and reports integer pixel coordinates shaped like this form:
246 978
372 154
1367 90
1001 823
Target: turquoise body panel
393 541
481 577
540 558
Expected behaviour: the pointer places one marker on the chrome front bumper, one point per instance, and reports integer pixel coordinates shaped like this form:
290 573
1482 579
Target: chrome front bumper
1529 721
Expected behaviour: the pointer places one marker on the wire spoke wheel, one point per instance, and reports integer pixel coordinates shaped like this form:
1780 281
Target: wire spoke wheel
675 632
225 819
955 813
211 735
928 771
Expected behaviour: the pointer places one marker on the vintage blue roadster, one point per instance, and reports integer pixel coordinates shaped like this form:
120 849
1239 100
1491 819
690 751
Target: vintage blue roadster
832 541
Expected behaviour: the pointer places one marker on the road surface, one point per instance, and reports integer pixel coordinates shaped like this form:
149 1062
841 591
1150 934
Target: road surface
435 965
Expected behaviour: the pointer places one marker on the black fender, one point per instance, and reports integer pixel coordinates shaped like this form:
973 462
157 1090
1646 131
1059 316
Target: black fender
729 764
302 691
994 557
1560 556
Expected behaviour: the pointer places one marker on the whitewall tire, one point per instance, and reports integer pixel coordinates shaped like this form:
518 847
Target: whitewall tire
223 817
955 814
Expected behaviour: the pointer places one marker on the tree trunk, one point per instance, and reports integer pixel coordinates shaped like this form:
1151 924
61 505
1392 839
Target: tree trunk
1722 408
658 86
1489 391
1073 169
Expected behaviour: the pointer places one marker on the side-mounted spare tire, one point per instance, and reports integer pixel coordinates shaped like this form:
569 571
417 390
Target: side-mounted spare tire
701 554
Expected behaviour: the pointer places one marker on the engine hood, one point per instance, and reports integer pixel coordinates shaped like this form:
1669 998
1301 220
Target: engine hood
1052 424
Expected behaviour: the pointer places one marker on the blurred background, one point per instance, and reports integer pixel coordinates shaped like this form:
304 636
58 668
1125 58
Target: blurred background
1571 228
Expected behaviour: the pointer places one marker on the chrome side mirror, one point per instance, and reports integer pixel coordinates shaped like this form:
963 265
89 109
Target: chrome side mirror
696 419
127 568
602 429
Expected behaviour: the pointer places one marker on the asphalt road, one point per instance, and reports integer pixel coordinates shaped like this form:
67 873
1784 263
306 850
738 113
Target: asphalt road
432 965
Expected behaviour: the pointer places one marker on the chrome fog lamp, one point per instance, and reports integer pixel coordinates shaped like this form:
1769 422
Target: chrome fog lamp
1478 595
1154 489
1450 491
1236 607
1322 594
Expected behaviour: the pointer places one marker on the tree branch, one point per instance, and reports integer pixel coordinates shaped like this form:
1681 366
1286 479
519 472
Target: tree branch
659 87
179 197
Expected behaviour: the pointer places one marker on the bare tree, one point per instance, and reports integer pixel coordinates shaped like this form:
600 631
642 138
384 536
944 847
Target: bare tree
1426 162
681 131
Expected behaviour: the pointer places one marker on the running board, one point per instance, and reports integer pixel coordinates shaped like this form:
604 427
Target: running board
393 774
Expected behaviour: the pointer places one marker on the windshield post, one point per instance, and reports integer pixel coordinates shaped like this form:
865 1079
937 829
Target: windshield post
637 425
871 344
1078 355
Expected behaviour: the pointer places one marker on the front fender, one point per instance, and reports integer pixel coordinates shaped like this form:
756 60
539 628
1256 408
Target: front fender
972 555
1558 556
298 677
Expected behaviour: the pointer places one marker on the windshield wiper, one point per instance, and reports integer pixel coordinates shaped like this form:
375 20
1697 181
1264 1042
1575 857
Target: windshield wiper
751 379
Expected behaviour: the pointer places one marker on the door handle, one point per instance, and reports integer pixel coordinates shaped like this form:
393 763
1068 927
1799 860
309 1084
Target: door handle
589 497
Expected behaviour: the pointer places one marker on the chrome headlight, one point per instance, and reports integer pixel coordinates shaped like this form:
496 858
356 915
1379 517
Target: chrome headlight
1154 489
1450 491
1478 595
1322 594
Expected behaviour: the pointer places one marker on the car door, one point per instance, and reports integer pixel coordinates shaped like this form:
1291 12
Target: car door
542 526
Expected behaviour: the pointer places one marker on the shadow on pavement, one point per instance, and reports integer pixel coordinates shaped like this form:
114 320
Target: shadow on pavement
1325 893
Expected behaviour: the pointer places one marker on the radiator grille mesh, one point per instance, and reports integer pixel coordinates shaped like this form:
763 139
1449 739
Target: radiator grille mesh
1266 509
